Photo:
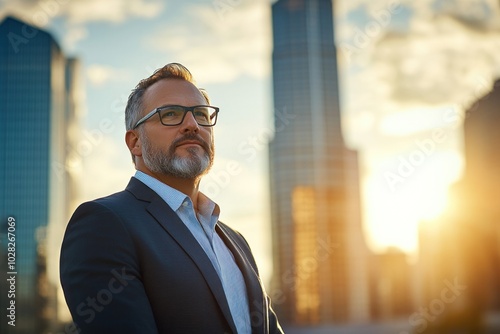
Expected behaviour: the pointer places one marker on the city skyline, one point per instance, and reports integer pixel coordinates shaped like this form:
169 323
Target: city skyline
404 87
385 136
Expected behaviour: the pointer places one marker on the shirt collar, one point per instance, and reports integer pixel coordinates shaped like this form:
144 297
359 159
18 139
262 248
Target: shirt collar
174 198
206 206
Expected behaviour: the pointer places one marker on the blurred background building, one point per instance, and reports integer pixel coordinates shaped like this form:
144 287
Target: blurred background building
463 244
392 285
319 251
38 103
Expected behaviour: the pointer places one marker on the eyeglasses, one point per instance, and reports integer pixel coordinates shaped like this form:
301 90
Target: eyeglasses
171 115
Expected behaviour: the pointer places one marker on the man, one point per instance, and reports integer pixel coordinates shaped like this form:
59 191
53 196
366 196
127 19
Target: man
154 258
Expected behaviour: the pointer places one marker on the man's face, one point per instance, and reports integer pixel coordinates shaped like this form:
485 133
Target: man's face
182 151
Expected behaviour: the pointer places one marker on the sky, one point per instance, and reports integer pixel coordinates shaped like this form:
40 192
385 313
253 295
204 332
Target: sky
407 71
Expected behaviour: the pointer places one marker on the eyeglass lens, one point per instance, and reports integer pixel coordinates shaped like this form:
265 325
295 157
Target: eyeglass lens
172 115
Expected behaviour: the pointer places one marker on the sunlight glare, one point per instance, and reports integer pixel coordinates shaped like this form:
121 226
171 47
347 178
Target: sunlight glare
393 217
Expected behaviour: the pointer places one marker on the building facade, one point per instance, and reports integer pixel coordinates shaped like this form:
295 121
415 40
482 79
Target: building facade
320 272
393 285
37 103
462 246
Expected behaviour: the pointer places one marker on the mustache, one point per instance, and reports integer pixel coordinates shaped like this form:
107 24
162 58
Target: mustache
192 137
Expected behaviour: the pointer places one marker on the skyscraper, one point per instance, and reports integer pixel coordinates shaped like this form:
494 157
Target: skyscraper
36 111
463 244
320 272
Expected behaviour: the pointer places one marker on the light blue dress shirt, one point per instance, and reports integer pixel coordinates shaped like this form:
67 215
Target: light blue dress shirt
202 226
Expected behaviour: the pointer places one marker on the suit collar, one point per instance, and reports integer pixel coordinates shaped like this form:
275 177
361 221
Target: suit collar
255 289
140 190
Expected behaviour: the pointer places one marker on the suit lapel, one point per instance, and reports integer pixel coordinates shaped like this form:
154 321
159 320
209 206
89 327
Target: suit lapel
255 289
174 226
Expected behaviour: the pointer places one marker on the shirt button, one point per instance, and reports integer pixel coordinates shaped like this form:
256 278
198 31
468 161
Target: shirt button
185 204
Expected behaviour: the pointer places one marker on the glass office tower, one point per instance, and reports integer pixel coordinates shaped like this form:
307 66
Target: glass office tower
320 273
37 107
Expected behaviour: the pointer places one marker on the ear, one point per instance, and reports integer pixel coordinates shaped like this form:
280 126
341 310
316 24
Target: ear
133 142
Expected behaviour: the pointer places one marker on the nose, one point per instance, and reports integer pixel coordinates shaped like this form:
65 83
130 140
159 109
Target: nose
189 124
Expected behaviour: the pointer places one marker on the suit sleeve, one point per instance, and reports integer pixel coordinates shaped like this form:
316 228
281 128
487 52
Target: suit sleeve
100 275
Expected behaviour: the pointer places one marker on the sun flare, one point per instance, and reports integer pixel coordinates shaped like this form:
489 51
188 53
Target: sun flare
393 216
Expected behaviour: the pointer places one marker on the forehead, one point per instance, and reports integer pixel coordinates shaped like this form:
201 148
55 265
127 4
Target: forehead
172 91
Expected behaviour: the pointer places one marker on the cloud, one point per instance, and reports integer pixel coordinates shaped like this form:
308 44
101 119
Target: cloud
80 11
73 35
477 14
445 66
384 15
447 56
99 75
77 13
408 122
219 44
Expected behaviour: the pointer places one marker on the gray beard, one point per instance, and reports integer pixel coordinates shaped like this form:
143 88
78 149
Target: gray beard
191 167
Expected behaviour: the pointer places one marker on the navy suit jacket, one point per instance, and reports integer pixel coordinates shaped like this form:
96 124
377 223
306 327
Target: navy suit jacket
130 265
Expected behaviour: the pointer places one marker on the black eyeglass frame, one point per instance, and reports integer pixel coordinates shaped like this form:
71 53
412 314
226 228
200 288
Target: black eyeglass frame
186 110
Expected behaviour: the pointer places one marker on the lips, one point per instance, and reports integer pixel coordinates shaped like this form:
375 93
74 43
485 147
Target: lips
191 139
190 142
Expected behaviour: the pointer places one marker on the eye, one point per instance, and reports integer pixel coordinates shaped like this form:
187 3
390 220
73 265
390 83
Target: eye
201 114
172 112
